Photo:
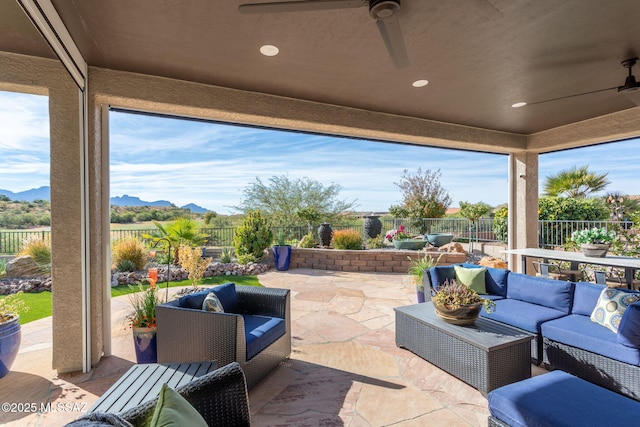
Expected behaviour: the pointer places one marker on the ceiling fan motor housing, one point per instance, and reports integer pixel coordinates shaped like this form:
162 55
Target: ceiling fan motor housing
383 9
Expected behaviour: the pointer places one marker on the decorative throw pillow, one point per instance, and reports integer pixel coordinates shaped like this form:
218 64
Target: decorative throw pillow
174 410
611 306
473 278
212 303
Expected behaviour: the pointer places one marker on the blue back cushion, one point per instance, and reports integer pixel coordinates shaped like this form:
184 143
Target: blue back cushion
495 279
629 329
441 274
538 290
585 298
226 293
194 300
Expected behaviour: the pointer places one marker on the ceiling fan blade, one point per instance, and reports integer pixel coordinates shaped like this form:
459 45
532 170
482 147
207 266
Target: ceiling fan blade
571 96
300 6
392 36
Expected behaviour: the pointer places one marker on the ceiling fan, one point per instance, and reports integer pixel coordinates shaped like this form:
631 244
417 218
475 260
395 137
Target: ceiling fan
629 87
385 13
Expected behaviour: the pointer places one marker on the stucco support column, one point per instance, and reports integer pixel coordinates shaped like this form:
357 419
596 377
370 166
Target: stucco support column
523 204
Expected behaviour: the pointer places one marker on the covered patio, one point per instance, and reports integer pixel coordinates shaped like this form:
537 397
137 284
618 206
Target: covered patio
199 59
345 368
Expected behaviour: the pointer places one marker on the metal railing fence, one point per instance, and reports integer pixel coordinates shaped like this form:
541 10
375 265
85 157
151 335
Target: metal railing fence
551 233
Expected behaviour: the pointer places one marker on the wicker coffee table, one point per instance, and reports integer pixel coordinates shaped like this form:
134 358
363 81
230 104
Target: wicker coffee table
486 355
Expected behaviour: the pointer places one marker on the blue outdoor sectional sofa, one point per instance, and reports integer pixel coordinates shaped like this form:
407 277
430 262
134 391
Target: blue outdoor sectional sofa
559 313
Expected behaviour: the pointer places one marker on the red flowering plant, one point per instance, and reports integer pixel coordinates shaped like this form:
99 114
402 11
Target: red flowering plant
144 303
398 234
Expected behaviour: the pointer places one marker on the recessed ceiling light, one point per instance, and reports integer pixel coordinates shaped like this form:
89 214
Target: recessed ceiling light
269 50
519 104
420 83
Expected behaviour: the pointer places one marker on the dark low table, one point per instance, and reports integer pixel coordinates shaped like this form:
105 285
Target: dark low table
486 355
142 383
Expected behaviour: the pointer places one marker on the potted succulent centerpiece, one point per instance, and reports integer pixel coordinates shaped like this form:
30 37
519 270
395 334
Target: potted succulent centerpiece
401 239
459 304
10 331
594 242
143 323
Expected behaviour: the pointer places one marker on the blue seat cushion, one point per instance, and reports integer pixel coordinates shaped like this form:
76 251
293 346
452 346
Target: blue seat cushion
538 290
261 331
561 400
522 314
226 293
495 279
585 298
579 331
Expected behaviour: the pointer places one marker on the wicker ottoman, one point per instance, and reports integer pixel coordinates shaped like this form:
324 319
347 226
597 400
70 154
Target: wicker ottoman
486 355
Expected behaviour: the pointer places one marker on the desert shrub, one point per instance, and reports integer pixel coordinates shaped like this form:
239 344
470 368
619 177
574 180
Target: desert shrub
246 259
192 261
501 223
125 265
375 242
347 239
308 241
252 237
131 249
38 249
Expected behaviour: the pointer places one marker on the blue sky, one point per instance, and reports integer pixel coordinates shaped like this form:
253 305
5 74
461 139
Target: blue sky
210 164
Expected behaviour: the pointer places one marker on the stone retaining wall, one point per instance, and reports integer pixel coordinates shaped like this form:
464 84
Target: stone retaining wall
371 260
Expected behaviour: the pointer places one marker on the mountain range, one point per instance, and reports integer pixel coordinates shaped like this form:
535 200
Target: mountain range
44 193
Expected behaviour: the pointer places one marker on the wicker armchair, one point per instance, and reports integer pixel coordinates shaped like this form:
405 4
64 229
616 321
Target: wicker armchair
220 397
188 335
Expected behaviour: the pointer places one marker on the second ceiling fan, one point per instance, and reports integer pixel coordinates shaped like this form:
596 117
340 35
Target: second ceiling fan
385 13
630 86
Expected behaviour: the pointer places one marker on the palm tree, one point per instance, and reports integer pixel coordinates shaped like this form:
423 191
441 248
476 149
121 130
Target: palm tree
575 182
182 231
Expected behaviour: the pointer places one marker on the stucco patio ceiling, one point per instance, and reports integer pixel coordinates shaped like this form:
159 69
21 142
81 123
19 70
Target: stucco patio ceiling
479 56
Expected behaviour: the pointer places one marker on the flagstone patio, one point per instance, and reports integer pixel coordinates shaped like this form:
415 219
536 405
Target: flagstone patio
344 370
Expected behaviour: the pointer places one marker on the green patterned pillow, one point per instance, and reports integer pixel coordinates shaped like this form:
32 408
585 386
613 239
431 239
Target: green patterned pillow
611 306
473 278
212 303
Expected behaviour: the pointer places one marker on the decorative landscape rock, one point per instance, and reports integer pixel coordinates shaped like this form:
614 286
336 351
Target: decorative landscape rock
452 247
15 284
489 261
23 266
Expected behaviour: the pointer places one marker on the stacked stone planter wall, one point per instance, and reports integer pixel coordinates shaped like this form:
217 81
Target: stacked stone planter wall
382 261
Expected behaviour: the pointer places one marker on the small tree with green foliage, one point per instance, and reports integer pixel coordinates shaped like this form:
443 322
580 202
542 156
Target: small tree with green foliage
473 212
252 237
501 223
422 197
282 198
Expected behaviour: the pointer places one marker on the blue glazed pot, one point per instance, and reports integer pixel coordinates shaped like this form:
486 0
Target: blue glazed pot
10 337
282 257
439 239
146 345
410 244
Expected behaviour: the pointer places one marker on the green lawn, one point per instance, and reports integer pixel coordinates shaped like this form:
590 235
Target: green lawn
40 304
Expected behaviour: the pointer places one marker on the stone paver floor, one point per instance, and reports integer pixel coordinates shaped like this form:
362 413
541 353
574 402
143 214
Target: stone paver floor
344 370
